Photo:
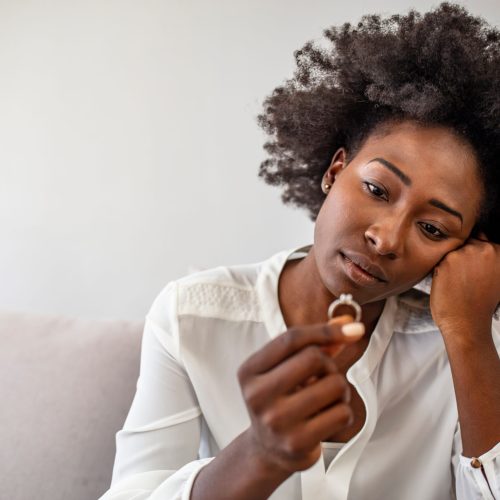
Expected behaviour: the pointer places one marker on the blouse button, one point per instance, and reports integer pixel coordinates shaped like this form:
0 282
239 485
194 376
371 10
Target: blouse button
476 463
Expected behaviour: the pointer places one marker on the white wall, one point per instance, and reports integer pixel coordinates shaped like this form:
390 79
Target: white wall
129 147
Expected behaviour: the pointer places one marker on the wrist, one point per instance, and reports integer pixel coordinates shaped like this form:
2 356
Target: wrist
467 332
252 477
260 459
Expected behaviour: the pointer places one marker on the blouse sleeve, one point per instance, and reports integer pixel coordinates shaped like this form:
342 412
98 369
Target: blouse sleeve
483 481
479 482
157 449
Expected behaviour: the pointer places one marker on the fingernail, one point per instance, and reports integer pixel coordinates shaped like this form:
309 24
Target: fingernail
353 329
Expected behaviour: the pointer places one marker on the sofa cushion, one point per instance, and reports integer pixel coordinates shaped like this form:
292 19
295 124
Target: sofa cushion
65 386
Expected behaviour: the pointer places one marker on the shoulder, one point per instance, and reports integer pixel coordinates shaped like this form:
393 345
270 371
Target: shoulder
188 303
227 292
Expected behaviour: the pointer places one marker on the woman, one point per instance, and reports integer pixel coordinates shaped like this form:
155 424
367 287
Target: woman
390 140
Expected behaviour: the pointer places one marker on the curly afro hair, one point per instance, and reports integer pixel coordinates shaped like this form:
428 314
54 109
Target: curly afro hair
440 68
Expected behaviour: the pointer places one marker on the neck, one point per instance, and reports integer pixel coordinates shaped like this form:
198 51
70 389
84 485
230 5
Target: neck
304 299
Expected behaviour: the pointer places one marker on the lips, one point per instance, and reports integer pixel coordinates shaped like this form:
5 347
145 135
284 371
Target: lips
366 265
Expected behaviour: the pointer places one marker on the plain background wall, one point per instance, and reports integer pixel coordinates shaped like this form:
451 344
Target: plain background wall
129 147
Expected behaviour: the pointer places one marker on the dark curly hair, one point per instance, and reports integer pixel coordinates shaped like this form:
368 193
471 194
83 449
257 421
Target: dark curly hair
440 68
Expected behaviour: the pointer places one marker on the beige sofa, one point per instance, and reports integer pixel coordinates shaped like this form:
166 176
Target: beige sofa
65 389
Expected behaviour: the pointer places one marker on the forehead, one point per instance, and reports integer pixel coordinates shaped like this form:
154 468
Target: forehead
434 158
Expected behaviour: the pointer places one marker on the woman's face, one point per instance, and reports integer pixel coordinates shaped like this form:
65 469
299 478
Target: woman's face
409 196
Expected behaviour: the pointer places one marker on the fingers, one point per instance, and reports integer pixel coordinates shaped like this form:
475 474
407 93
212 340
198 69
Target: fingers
328 422
481 236
341 320
355 330
292 341
311 361
309 402
293 392
318 396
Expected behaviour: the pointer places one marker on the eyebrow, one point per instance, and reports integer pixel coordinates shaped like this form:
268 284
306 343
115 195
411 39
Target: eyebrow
446 208
407 182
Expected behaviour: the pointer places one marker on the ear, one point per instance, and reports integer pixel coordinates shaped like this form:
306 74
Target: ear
338 163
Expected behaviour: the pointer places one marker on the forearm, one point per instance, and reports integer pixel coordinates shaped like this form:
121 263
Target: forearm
236 473
475 368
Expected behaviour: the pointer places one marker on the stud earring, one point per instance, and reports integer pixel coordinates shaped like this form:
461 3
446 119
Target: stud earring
326 188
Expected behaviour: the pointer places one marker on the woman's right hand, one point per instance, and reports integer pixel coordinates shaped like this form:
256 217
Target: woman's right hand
295 395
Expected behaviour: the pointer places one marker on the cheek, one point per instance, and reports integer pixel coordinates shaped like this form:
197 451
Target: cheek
331 223
341 209
422 262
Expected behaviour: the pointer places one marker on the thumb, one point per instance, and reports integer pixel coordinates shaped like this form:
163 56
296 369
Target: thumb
349 332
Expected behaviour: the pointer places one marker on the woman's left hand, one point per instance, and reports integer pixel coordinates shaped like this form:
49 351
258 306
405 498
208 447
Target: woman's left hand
466 288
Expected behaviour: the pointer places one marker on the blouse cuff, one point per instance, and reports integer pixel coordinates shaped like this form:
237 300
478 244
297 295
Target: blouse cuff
480 475
485 458
186 495
178 486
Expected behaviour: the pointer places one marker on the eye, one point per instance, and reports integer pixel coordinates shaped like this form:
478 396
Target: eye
375 190
433 231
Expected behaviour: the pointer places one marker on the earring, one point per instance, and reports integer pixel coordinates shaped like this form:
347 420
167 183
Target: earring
326 188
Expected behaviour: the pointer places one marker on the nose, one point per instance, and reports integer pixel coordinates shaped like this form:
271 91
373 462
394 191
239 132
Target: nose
387 237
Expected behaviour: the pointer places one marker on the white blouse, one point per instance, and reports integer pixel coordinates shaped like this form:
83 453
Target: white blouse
188 403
